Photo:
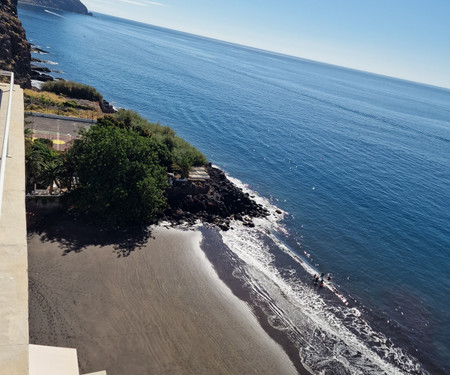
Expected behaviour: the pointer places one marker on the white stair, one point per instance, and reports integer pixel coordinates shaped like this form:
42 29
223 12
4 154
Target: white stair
50 360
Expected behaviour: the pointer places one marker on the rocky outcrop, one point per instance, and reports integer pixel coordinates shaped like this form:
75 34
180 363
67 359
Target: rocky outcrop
73 6
42 77
215 201
14 48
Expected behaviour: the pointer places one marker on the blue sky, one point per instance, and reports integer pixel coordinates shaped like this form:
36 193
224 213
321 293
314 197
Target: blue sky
408 39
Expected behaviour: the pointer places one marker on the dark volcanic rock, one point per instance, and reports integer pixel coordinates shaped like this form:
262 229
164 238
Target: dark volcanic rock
74 6
107 107
14 48
35 75
216 201
35 49
41 69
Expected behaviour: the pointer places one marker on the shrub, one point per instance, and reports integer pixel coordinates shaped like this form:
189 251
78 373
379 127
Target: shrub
72 90
184 154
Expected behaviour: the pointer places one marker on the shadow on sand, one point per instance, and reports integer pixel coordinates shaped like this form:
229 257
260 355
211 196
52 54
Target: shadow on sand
76 234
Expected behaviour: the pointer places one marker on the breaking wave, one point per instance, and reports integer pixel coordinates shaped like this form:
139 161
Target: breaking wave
330 334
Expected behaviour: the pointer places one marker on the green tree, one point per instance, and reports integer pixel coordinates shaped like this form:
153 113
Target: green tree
183 160
43 165
52 172
120 174
34 164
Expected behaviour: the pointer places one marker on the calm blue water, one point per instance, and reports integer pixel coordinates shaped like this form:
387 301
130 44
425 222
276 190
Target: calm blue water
360 162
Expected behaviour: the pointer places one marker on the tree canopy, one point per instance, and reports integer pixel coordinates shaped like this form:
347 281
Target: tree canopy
117 169
120 175
43 165
184 156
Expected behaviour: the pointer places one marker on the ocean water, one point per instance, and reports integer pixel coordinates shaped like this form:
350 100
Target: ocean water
358 163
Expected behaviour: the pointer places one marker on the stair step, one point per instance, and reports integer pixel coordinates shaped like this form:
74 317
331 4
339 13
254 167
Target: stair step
49 360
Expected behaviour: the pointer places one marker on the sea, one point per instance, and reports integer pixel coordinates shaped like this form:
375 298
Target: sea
358 164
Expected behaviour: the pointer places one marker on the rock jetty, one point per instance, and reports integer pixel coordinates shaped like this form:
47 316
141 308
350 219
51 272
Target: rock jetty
215 200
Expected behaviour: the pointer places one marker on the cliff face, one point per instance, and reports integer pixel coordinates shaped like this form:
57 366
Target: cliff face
14 47
74 6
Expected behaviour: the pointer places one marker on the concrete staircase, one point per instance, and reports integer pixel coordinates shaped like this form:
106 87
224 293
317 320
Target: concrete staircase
50 360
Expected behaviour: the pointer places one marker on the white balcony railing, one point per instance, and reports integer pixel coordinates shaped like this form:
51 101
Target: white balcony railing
5 144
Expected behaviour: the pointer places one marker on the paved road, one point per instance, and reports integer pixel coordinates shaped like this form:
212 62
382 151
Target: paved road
60 130
67 118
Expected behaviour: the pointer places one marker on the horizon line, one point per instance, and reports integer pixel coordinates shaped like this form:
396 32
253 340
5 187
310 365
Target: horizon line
277 52
431 85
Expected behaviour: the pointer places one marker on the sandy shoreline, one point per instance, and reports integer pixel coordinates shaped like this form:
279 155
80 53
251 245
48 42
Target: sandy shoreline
160 310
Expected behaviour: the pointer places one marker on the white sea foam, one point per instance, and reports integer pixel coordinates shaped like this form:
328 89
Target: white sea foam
328 336
36 84
53 13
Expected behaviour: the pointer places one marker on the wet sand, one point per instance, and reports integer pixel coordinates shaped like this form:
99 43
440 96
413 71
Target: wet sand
160 309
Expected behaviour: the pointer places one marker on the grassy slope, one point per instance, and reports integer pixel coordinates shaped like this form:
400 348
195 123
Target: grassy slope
48 102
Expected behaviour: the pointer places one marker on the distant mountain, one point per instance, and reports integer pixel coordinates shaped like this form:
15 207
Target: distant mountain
14 48
74 6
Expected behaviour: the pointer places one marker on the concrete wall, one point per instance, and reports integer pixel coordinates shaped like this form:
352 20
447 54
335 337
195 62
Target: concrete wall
14 337
46 203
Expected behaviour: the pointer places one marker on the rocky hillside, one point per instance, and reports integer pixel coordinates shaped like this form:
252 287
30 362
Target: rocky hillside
14 47
74 6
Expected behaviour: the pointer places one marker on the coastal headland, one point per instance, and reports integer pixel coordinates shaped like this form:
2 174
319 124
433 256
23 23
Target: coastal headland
74 6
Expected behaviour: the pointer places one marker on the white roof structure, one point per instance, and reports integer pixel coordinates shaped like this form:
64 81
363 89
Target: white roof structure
198 174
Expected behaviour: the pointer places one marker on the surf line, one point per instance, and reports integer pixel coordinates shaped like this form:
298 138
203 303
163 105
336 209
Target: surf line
327 283
55 14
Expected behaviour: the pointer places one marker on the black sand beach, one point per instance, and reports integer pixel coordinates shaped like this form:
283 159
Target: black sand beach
145 305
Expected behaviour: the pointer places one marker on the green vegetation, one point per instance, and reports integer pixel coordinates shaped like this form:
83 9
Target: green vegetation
184 156
120 175
72 90
43 165
117 170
